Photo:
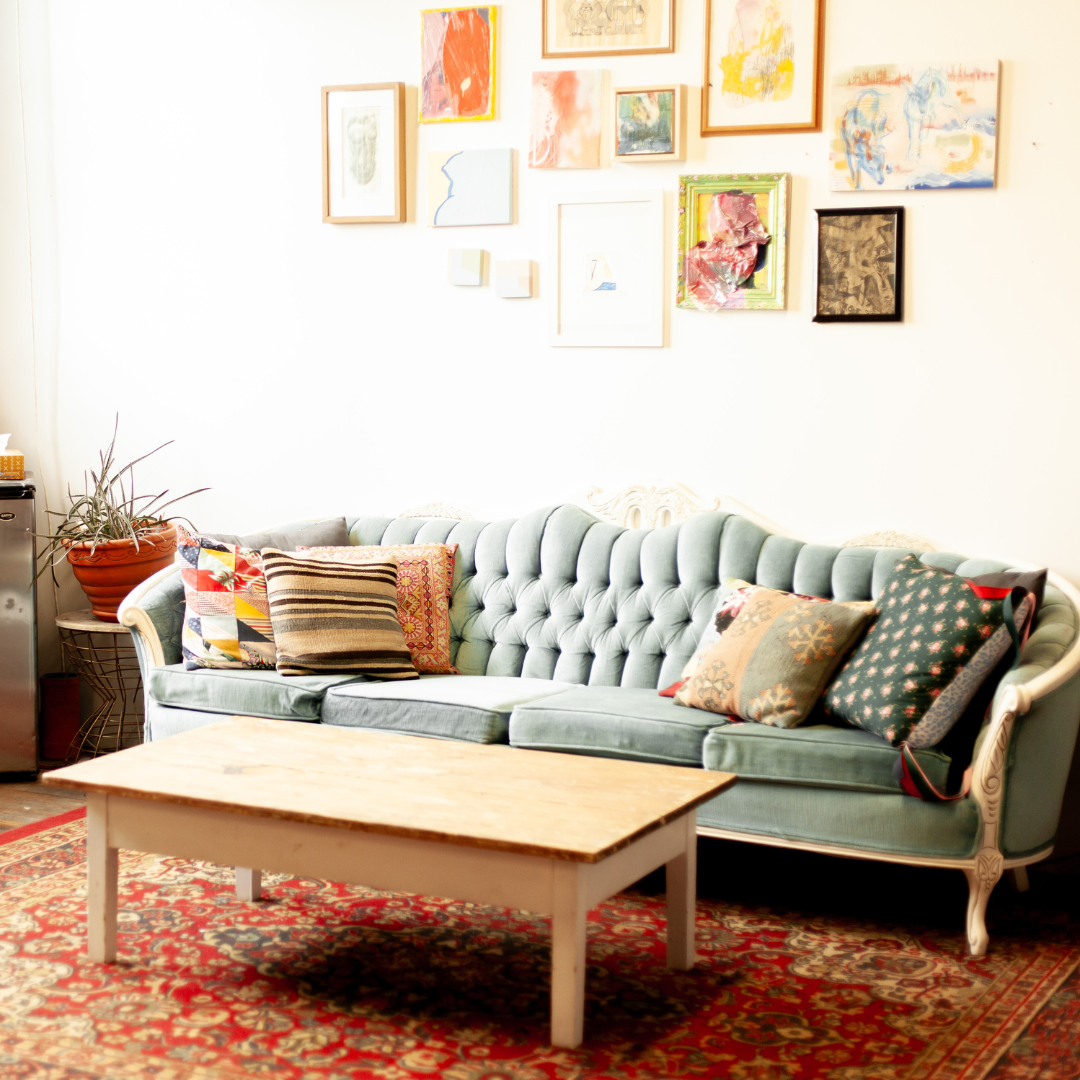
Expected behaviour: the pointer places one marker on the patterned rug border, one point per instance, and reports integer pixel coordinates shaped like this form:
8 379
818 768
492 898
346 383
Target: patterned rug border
1031 983
21 832
1008 1027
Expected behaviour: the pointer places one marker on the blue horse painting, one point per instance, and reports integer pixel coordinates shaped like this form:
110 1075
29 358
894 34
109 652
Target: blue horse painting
914 126
861 128
921 104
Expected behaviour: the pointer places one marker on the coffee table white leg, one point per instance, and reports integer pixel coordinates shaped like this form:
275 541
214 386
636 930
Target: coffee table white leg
681 899
102 867
567 956
248 883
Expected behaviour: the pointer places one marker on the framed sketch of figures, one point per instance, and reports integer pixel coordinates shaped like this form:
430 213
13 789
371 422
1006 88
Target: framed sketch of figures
762 67
607 28
363 153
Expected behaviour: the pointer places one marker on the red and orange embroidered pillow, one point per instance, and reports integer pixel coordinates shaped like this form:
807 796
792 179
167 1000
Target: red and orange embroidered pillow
425 578
227 614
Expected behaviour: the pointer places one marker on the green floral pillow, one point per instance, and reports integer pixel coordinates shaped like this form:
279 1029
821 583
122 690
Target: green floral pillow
931 624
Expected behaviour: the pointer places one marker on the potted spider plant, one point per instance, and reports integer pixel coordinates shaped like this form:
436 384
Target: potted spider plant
112 537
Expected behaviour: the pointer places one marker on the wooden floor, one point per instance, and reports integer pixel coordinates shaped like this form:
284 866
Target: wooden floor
23 804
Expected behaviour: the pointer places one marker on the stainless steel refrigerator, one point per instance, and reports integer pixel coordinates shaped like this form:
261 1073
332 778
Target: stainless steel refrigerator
18 628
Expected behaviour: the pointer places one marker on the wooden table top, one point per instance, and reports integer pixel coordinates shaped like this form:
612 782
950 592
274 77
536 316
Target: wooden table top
562 806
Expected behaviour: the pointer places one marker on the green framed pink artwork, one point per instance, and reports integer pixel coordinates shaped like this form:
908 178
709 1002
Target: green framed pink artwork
732 241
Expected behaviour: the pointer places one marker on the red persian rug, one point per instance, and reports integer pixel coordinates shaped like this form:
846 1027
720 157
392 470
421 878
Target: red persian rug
323 980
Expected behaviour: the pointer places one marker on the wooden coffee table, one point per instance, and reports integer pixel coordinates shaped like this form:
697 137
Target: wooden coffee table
548 833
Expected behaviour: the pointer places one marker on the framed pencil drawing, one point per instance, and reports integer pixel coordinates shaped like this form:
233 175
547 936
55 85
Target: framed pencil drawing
363 153
860 265
763 66
606 28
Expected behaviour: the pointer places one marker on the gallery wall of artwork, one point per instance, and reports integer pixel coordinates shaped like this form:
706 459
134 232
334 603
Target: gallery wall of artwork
891 126
197 289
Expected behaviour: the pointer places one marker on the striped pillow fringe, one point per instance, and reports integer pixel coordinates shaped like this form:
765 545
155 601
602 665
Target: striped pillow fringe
336 618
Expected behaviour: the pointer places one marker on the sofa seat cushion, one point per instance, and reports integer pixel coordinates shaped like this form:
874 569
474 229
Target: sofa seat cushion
814 755
471 708
613 721
881 824
251 692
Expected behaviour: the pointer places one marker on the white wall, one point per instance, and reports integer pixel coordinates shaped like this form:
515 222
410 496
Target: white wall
28 280
306 368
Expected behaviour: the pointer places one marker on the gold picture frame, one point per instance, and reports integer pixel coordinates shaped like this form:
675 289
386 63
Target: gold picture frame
631 141
357 122
594 21
737 98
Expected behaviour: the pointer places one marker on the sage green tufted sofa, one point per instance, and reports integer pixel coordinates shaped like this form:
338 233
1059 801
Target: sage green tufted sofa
563 629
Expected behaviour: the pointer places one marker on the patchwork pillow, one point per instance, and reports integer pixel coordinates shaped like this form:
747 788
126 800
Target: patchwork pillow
772 663
335 617
425 576
932 626
227 614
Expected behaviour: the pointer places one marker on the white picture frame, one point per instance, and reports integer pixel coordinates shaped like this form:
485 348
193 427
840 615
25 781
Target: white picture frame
605 251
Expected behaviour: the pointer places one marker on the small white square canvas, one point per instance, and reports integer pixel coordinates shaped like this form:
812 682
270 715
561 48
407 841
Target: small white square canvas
466 266
471 187
514 278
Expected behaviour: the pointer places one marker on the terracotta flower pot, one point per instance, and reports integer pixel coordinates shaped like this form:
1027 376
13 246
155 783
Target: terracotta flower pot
116 567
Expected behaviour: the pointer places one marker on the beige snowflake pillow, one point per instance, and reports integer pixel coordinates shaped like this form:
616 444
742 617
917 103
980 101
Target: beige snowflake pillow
773 662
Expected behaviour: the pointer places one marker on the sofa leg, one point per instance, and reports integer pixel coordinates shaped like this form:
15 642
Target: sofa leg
981 878
1018 878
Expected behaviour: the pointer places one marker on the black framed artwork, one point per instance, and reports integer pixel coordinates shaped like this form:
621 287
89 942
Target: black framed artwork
860 265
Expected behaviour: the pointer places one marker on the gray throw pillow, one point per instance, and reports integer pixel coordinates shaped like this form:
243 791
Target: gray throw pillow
329 533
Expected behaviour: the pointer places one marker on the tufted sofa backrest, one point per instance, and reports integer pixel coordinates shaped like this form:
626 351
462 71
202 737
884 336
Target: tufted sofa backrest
559 594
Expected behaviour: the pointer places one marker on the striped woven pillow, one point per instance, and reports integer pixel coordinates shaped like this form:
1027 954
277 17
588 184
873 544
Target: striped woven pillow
333 617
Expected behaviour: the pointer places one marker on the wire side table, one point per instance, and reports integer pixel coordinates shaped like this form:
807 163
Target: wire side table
104 655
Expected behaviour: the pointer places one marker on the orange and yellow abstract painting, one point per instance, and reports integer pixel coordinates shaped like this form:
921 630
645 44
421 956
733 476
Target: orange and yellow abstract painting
565 123
457 50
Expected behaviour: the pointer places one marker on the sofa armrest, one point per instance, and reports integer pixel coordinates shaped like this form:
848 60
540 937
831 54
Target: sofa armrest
154 613
1023 754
